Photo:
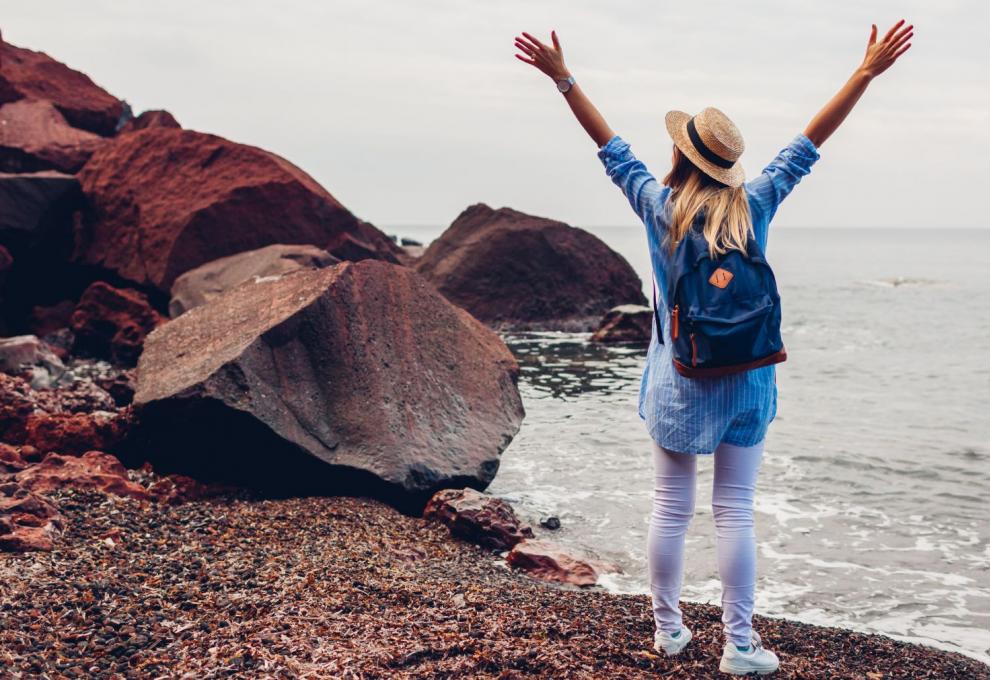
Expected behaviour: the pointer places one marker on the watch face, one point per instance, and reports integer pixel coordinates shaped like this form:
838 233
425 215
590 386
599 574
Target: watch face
563 85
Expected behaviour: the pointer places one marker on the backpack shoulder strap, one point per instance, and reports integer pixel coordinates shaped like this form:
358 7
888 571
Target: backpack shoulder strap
656 314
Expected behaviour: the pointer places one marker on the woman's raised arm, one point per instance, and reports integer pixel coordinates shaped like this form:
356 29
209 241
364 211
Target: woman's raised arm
550 60
879 57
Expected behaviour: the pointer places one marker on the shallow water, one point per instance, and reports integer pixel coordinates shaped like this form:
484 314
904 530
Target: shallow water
871 502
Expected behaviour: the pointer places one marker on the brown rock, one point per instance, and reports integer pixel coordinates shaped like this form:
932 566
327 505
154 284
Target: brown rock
477 517
357 378
112 323
153 118
165 201
27 521
35 136
626 323
550 562
93 470
206 282
518 272
26 74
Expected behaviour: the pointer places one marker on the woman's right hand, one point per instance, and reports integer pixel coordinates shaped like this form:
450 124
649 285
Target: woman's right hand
881 55
548 59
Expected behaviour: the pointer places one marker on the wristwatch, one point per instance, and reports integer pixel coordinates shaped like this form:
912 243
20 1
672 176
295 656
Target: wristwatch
565 84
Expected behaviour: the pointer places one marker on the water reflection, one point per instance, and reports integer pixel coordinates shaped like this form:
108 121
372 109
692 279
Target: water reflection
566 366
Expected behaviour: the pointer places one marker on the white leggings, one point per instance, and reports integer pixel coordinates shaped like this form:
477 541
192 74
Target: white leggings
736 468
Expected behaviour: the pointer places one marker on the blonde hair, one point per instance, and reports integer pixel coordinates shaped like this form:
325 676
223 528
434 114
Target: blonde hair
728 224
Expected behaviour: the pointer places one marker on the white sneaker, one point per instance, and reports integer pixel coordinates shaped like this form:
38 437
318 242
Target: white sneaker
757 660
665 642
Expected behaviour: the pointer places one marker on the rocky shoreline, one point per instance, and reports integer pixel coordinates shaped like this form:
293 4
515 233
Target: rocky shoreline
350 588
201 345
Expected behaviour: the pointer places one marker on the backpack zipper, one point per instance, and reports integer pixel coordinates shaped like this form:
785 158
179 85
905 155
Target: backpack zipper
673 323
694 351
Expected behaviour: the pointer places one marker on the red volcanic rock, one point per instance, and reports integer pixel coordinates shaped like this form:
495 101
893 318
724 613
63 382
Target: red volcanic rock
35 136
11 459
165 201
626 323
70 419
75 433
357 378
93 470
206 282
549 562
154 118
26 74
27 521
518 272
477 517
113 322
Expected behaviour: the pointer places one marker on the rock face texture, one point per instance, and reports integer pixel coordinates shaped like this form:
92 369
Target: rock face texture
26 74
164 201
35 136
476 517
518 272
626 323
206 282
112 323
357 378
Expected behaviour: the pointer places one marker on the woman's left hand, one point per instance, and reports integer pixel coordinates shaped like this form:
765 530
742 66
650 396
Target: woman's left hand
549 59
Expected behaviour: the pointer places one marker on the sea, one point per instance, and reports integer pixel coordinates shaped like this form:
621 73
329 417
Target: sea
872 507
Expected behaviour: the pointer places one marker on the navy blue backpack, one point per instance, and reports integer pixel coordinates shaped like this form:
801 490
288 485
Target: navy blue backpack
724 312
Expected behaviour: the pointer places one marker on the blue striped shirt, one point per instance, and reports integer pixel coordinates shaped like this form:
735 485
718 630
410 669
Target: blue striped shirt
691 415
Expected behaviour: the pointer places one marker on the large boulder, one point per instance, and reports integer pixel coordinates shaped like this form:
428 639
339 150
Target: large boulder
112 323
358 378
518 272
163 201
35 136
26 74
202 284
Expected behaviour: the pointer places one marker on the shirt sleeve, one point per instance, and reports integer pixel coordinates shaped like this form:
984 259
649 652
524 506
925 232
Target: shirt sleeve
777 179
644 192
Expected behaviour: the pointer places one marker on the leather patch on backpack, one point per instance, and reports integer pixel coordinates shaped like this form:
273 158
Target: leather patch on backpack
720 277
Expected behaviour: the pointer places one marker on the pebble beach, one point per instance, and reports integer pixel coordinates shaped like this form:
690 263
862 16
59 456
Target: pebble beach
350 588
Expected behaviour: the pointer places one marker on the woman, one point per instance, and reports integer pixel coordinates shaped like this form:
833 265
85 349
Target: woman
725 416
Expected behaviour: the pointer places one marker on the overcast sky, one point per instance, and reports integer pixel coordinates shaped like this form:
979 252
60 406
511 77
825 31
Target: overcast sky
410 111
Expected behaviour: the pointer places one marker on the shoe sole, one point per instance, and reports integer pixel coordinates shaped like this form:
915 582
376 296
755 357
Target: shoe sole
727 667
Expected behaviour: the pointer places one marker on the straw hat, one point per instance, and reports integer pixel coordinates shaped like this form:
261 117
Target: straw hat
711 141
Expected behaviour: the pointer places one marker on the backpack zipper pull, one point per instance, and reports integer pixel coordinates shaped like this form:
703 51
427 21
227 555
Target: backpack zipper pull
673 323
694 351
